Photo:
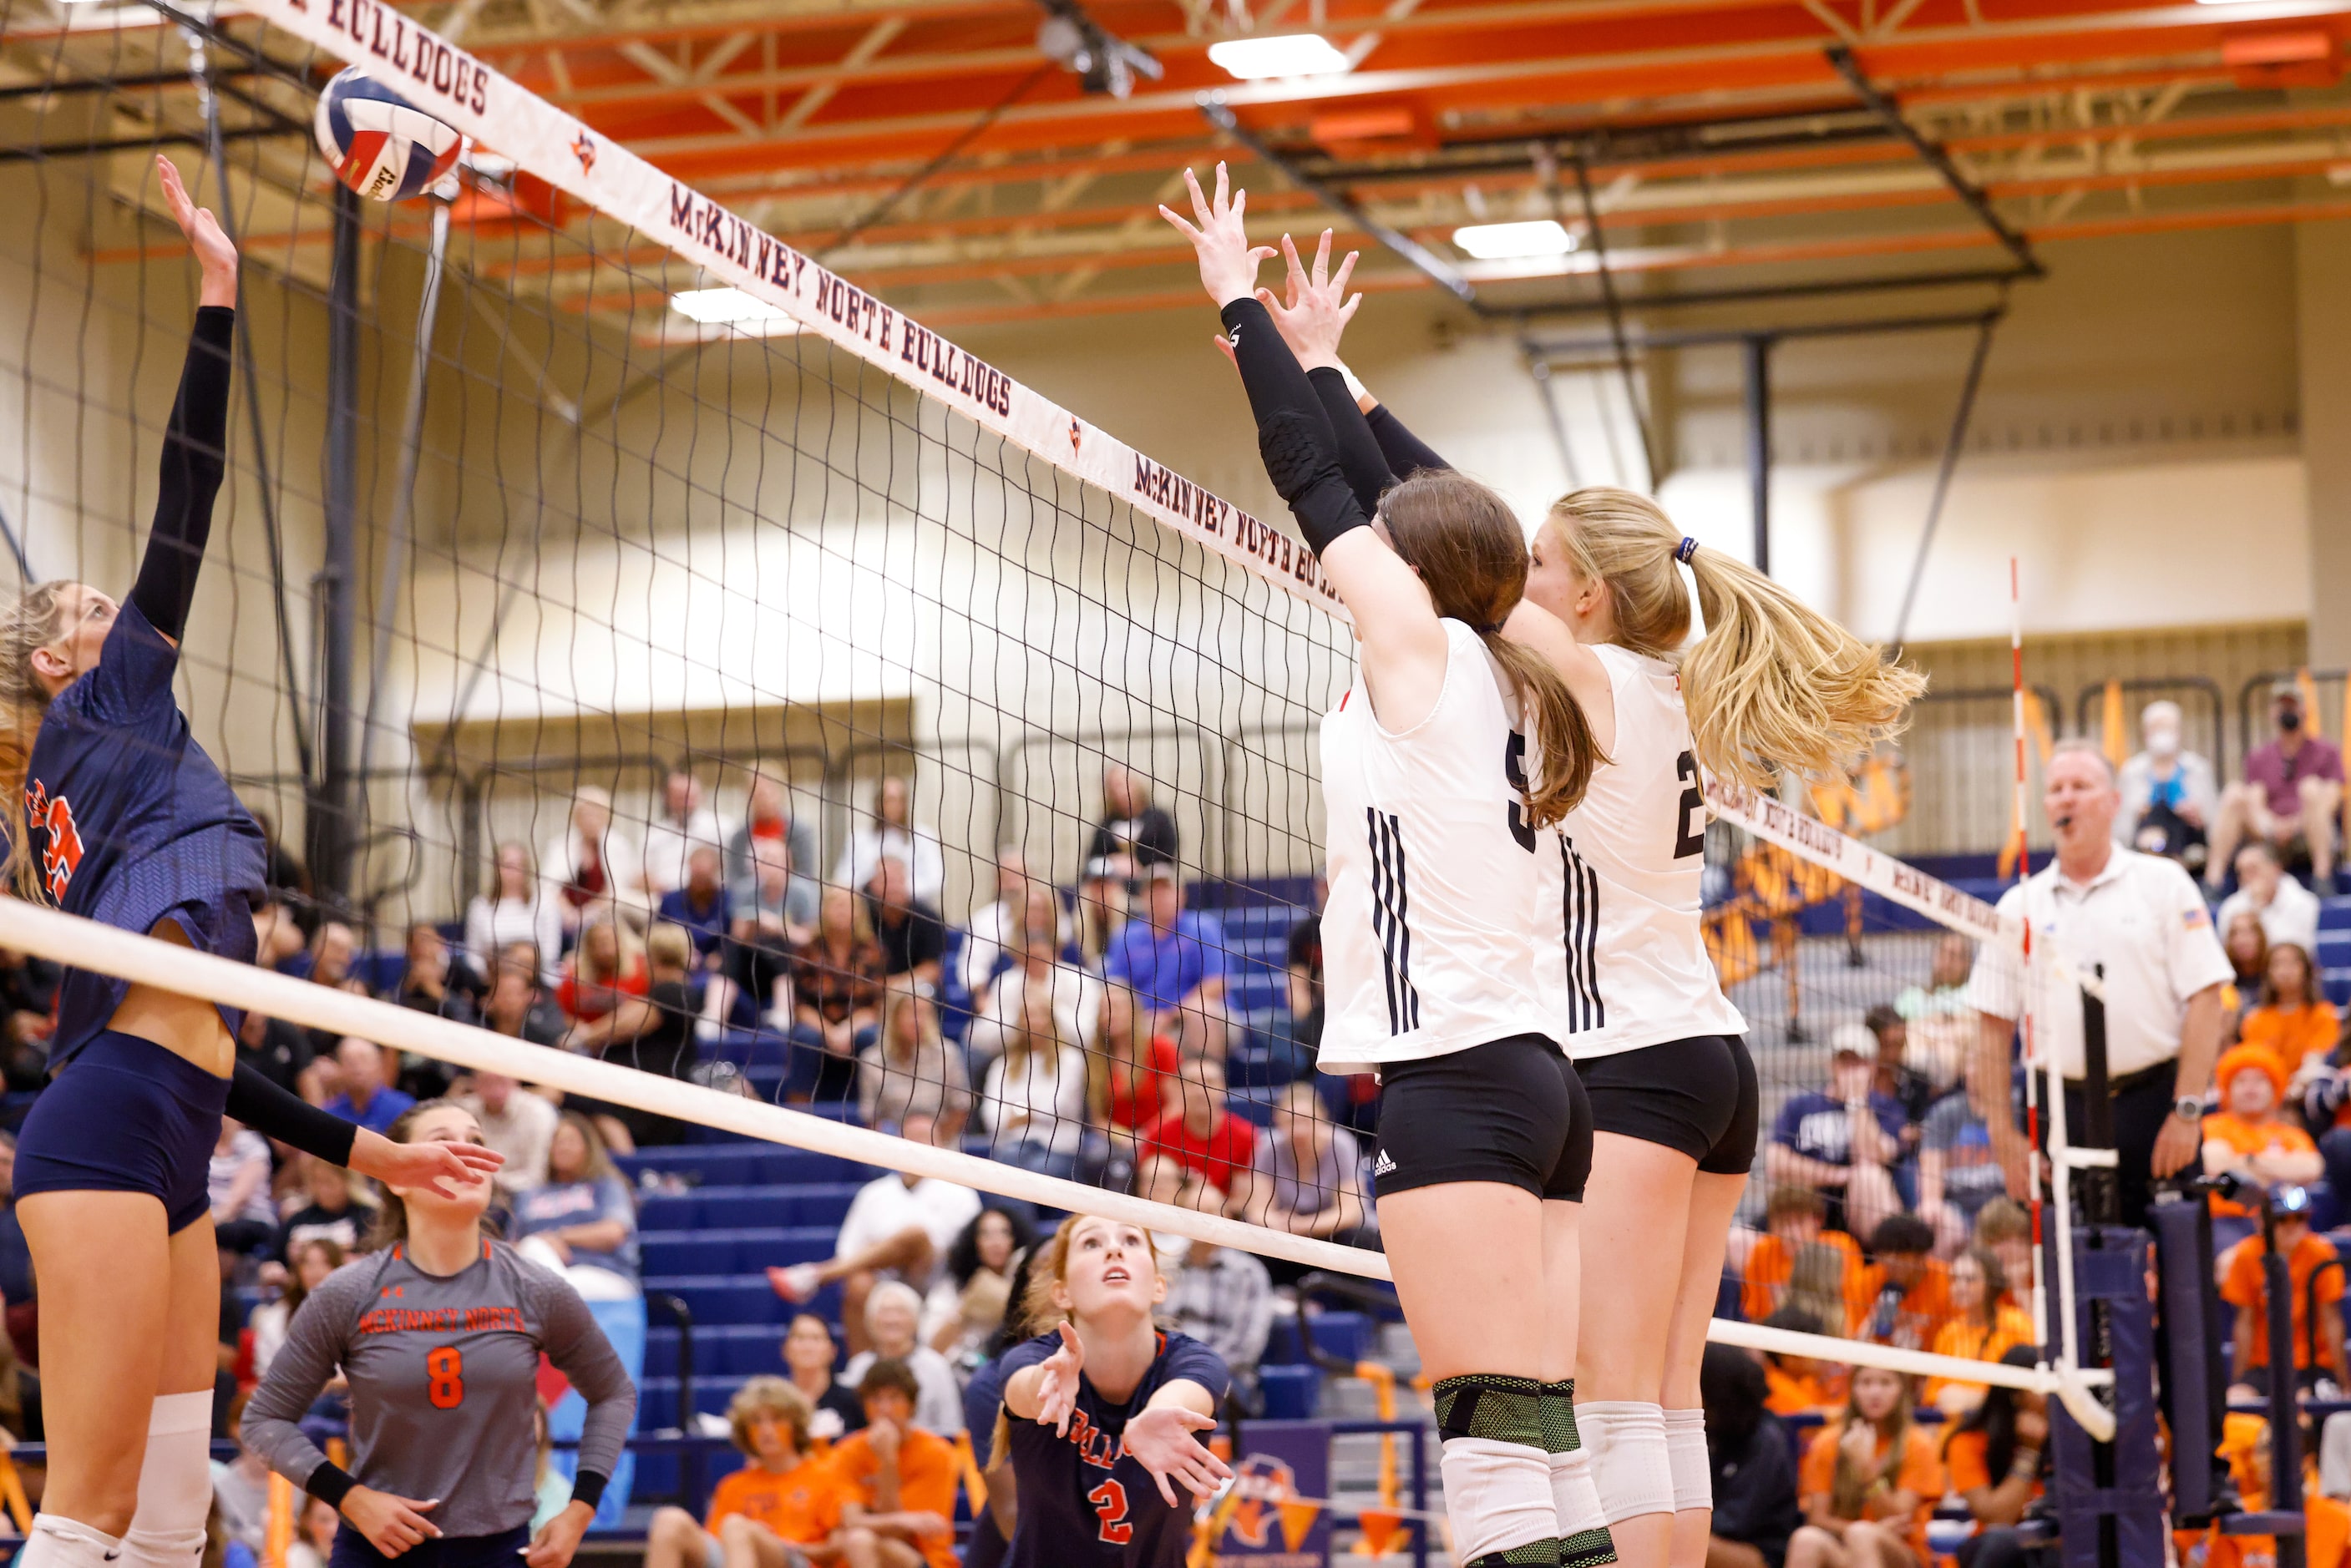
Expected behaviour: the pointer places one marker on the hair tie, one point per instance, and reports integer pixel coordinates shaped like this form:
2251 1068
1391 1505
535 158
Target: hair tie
1687 548
1488 628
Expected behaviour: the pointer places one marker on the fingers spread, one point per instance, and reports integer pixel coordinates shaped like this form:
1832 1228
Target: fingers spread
1322 259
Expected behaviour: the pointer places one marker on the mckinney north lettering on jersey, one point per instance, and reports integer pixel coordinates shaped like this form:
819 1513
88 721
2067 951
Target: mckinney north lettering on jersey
442 1319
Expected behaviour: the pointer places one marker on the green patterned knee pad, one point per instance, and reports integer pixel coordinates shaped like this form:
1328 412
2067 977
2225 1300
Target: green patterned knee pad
1558 1434
1492 1406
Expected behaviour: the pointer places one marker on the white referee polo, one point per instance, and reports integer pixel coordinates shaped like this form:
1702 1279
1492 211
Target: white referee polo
2143 919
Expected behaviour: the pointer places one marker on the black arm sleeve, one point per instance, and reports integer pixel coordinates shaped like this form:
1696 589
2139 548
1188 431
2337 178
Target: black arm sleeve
1367 471
195 455
1293 434
1402 450
273 1111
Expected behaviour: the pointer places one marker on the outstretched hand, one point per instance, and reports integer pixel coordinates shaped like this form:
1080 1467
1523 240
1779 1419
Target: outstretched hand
1229 263
440 1166
1056 1383
1317 309
1162 1442
213 252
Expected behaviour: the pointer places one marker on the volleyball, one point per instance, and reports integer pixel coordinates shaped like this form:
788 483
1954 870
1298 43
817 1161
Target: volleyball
379 143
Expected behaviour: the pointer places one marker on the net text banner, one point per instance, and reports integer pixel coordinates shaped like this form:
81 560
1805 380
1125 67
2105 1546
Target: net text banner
445 80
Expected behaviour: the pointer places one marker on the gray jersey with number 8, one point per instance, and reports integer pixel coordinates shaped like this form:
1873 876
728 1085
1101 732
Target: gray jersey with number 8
443 1380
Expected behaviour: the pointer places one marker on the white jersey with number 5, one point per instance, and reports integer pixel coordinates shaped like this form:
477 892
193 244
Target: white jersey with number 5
1635 970
1444 900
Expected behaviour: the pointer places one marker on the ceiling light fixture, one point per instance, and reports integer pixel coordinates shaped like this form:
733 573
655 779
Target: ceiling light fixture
732 308
1510 242
1291 54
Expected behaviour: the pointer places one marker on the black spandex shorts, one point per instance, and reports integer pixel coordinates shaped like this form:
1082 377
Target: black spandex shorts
1510 1111
1698 1096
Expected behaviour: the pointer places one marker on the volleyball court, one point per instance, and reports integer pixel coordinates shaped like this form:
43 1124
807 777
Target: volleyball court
825 734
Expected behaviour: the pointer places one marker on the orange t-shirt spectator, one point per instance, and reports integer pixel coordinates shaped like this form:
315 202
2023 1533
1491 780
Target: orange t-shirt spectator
1885 1481
2292 1021
1796 1385
1996 1458
2242 1286
1905 1297
1791 1221
783 1491
2247 1135
2326 1524
1982 1328
1199 1134
897 1481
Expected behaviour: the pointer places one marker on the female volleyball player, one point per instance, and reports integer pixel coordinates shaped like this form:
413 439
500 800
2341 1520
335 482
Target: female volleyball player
1102 1408
1442 890
125 820
1773 685
439 1332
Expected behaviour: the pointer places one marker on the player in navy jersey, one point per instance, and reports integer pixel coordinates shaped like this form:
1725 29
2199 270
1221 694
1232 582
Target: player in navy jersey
126 821
1099 1413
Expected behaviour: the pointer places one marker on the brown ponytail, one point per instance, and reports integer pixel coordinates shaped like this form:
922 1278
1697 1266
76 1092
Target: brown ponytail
31 624
1468 549
1773 683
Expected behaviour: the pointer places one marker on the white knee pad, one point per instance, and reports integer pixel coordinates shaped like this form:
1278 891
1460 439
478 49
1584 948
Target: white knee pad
1497 1496
175 1485
1629 1458
1687 1460
1574 1495
58 1542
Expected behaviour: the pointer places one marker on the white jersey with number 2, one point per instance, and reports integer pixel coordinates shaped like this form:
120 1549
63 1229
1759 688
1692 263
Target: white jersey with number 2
1632 969
1443 912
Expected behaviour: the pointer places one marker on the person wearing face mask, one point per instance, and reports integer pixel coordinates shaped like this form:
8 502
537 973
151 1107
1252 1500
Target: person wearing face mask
2170 794
2292 790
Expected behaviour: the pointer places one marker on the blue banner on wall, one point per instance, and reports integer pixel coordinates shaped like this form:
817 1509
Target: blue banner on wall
1265 1524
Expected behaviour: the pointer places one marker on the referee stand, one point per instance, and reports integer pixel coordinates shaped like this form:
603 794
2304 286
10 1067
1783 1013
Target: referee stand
2108 1495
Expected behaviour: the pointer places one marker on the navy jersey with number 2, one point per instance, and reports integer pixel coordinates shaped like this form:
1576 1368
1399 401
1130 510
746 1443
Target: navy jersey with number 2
1084 1499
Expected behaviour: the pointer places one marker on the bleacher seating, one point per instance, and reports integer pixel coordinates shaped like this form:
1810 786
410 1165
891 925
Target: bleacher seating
2334 954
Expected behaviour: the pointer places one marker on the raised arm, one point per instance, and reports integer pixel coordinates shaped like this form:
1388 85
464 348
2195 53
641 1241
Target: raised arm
1403 644
195 441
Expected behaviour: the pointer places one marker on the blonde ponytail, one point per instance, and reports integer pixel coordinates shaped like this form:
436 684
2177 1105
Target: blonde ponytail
30 625
1773 685
1471 554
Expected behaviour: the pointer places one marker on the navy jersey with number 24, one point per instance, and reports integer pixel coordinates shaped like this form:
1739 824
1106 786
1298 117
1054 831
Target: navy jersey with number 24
1084 1499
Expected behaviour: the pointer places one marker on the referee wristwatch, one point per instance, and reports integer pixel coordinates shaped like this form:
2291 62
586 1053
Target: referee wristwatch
2188 1108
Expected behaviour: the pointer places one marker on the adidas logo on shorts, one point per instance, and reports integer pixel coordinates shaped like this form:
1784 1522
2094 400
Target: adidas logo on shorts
1384 1166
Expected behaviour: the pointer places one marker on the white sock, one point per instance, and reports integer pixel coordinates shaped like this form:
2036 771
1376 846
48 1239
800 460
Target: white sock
1630 1462
1686 1460
175 1485
1497 1496
58 1542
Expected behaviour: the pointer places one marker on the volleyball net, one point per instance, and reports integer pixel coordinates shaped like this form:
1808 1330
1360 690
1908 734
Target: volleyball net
680 680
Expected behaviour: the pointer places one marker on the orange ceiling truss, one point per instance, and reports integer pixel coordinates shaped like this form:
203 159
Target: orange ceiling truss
1718 134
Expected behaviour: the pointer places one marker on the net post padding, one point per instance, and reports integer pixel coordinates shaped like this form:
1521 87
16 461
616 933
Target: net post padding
104 949
85 944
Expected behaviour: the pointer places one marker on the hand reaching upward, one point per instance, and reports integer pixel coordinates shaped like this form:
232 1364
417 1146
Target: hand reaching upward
1229 263
213 252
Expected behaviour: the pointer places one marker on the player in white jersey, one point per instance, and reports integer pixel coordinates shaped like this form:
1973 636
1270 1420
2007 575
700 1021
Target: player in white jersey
1449 756
1635 996
1772 686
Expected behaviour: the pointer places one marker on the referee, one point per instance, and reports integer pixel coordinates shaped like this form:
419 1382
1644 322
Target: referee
2143 919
